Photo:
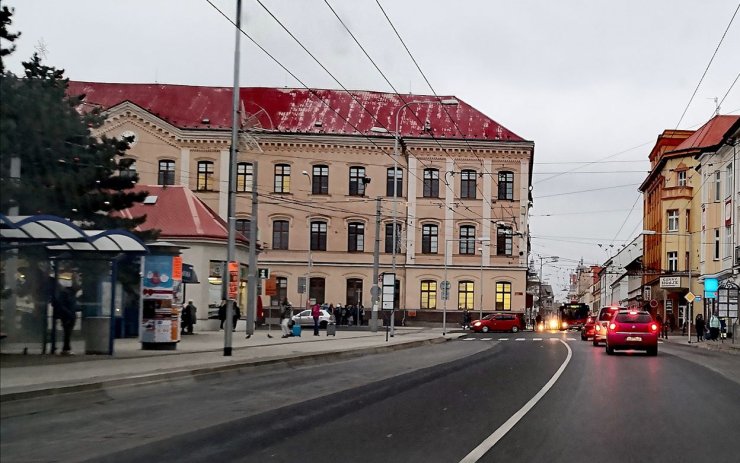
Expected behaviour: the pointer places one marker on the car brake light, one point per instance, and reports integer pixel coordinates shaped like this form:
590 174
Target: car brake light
632 312
654 327
598 327
612 326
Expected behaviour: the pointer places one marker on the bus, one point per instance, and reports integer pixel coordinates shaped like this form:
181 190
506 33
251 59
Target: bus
573 315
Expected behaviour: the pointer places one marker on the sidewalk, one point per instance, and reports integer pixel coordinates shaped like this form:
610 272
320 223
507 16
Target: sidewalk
26 376
724 345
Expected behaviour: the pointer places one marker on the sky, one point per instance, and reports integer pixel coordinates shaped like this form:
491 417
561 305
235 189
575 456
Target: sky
592 83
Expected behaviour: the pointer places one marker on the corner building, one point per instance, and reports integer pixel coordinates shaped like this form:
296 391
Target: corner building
322 163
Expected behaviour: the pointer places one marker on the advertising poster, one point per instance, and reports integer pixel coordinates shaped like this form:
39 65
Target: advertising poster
161 300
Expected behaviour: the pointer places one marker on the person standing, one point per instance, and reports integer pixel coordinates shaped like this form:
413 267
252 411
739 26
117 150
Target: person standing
222 313
699 328
188 318
285 317
235 316
315 314
714 325
64 304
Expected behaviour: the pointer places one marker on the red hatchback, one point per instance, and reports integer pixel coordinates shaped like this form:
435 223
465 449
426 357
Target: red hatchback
588 328
632 329
499 322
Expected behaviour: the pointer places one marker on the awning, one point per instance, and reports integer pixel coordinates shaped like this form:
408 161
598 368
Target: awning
58 234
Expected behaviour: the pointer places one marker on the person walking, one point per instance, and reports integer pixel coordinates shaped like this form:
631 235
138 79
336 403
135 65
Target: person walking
714 325
188 318
315 314
466 319
699 328
222 313
64 305
285 316
235 316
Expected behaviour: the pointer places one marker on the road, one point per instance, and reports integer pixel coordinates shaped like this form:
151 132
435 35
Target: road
430 404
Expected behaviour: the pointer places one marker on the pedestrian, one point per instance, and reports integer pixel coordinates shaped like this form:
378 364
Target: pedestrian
342 314
64 303
699 328
714 325
659 321
235 316
466 319
222 313
361 314
315 314
188 318
285 317
666 326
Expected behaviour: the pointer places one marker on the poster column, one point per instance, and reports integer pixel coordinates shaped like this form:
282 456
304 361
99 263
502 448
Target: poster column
161 301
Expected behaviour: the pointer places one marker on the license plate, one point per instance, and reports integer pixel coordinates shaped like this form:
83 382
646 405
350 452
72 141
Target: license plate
634 338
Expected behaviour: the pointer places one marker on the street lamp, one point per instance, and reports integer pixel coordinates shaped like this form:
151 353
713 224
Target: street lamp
688 318
308 261
446 282
396 137
539 292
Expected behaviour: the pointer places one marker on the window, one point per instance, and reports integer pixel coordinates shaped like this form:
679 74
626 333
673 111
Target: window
318 236
467 184
467 239
389 182
503 296
166 175
205 176
688 219
282 291
320 180
354 291
428 294
431 183
729 184
389 238
465 295
244 176
672 261
128 172
429 239
317 289
282 178
673 220
728 241
242 226
357 181
716 244
681 178
504 241
356 242
717 186
506 185
280 234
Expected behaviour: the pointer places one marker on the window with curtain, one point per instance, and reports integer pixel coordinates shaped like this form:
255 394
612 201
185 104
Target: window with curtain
467 239
503 296
204 181
429 237
465 295
244 177
282 178
428 294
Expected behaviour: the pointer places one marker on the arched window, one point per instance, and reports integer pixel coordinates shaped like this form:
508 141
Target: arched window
467 184
428 294
465 295
506 185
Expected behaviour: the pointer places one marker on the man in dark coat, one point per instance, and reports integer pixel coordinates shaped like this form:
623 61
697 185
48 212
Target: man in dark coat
65 310
188 318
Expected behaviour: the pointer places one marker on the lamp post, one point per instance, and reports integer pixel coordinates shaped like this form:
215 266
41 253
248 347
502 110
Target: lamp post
445 282
308 253
396 139
689 307
539 292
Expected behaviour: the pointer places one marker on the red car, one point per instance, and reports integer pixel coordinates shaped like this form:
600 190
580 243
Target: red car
632 329
499 322
588 328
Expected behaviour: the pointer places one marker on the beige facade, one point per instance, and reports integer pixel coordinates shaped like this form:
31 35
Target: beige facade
481 243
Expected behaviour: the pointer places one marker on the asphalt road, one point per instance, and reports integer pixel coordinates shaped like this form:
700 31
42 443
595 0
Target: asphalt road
432 404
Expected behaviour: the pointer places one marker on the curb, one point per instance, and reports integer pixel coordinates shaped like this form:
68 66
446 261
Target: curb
150 378
708 346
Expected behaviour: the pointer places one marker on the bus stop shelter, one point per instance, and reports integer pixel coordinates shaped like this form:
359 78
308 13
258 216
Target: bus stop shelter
40 242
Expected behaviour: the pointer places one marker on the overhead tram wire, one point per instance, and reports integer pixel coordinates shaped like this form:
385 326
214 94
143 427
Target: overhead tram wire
708 65
639 195
311 91
729 89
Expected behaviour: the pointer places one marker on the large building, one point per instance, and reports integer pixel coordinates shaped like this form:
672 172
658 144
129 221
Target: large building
322 163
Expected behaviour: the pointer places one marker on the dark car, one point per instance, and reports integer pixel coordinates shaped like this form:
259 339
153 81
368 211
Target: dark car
499 322
588 328
602 323
632 329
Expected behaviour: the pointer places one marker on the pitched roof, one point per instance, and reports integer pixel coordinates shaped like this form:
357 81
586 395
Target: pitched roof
709 135
294 110
178 213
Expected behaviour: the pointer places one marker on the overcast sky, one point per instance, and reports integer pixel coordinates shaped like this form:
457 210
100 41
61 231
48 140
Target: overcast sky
587 81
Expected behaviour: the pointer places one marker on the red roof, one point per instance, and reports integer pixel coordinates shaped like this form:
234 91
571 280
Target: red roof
297 110
709 135
178 213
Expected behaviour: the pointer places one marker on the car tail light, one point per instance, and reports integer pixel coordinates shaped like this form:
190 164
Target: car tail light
598 327
612 326
653 327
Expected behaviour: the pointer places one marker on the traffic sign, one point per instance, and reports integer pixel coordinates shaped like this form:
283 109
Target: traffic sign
264 273
690 296
653 303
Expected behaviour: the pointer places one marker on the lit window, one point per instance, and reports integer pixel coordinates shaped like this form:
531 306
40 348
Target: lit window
282 178
244 176
465 295
428 294
503 296
205 176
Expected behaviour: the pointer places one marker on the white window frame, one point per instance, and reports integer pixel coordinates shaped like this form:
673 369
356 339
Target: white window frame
717 186
716 244
681 175
673 261
673 220
728 241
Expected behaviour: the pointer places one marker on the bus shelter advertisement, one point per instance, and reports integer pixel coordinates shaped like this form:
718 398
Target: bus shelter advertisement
161 296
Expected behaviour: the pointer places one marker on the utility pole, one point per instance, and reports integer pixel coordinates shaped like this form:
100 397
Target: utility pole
375 291
231 248
253 275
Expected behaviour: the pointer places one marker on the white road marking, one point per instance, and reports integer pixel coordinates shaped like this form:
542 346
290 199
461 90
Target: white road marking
487 339
469 339
519 339
553 339
491 440
503 339
571 339
536 339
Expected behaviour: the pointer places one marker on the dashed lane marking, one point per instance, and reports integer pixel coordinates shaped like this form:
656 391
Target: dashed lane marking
536 339
519 339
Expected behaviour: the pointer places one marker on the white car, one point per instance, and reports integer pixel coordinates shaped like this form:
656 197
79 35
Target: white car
304 318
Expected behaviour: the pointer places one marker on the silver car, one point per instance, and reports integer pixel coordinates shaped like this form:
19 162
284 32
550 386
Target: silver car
304 318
